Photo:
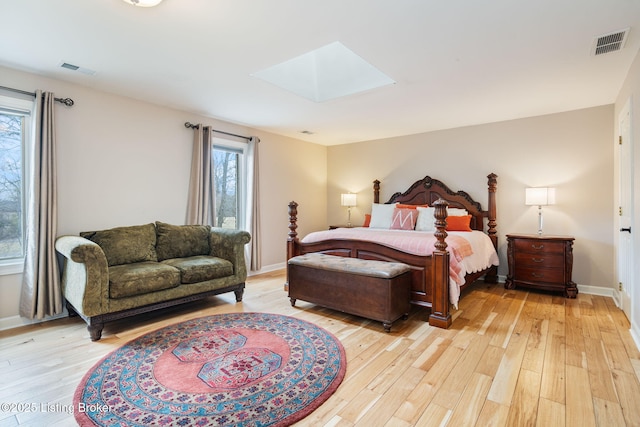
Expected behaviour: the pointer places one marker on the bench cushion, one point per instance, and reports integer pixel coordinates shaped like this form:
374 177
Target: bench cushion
363 267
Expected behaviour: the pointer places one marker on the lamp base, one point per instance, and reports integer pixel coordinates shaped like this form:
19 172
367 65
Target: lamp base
539 220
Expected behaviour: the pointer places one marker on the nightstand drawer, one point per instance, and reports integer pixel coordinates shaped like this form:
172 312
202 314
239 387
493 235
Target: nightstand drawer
548 275
525 259
535 246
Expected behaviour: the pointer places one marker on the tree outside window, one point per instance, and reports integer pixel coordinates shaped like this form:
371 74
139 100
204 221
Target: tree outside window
227 165
11 189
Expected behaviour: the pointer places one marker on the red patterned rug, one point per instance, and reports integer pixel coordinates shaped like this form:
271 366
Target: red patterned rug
239 369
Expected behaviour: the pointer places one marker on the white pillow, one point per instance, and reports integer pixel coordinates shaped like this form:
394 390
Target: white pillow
456 212
426 220
381 215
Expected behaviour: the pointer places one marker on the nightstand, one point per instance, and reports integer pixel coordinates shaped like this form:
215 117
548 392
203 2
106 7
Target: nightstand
541 262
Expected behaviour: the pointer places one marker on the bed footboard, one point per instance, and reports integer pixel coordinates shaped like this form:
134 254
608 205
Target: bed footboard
429 274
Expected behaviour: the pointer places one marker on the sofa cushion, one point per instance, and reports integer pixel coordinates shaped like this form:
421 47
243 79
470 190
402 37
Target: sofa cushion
128 280
200 268
126 245
179 241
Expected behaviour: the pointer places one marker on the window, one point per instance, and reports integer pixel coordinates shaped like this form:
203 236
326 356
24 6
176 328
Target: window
15 121
230 184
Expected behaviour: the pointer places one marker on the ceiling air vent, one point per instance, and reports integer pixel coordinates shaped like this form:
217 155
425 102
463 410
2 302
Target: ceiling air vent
72 67
609 42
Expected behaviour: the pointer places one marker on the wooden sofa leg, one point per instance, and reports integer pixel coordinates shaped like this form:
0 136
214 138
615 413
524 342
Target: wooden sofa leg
95 331
72 311
239 293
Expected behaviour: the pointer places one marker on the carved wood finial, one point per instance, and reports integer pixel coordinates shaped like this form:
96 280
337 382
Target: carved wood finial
492 223
376 191
293 219
440 214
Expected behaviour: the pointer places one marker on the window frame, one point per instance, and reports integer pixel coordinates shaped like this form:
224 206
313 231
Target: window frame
241 186
24 108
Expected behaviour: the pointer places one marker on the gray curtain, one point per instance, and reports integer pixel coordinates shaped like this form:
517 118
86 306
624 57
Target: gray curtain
253 205
201 195
41 295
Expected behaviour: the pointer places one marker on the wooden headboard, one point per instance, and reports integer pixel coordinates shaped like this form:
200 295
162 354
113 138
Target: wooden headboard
428 190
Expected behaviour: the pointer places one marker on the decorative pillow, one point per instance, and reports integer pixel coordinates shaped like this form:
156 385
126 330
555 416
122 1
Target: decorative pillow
403 206
181 241
426 220
367 220
459 223
404 219
456 212
381 215
126 245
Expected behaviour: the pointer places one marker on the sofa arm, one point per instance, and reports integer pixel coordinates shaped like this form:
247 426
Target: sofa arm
229 244
85 277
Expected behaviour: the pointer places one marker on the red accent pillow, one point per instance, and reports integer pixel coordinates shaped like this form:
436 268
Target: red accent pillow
404 219
403 206
367 220
459 223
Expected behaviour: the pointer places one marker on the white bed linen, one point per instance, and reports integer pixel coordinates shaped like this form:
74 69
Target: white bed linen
484 256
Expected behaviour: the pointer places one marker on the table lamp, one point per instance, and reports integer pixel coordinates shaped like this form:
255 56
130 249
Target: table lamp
348 200
540 196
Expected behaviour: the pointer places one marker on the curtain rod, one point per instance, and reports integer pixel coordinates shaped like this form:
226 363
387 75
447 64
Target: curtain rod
192 126
66 101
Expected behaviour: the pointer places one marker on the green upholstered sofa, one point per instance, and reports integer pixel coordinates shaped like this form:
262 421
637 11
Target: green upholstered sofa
124 271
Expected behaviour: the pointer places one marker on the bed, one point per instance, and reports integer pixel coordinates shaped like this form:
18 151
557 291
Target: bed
432 277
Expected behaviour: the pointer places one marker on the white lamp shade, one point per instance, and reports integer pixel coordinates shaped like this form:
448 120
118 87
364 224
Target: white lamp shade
348 199
143 3
541 196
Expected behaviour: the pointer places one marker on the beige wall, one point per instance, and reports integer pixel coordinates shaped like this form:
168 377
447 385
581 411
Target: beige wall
570 151
630 91
124 162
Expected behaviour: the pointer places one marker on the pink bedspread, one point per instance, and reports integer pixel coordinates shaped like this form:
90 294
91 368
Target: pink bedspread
413 242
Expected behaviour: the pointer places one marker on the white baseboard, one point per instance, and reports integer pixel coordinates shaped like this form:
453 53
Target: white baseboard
597 290
268 269
17 321
635 334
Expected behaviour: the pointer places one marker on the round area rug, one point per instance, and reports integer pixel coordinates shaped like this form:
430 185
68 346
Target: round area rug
240 369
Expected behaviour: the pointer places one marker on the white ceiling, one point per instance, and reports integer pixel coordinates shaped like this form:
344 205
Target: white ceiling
455 62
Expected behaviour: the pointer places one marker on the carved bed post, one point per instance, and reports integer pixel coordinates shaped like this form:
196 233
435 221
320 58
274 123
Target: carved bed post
492 274
492 187
293 234
376 191
440 316
292 240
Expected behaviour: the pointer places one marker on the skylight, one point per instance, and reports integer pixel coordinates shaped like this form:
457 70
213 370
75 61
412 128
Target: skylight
329 72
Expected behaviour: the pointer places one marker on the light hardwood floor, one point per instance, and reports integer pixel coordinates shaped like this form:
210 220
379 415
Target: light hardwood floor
511 358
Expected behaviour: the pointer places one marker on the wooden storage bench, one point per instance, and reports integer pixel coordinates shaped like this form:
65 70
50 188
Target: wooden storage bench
377 290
